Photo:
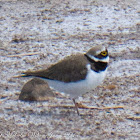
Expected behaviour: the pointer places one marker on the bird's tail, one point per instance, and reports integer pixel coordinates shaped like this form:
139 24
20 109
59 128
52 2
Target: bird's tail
24 74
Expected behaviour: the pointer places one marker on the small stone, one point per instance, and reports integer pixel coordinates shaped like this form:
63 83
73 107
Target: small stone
36 90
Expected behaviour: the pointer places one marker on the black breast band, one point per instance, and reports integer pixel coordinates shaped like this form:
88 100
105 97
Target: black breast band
97 66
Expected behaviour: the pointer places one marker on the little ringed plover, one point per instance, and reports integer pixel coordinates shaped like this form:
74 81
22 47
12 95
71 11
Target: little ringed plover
76 74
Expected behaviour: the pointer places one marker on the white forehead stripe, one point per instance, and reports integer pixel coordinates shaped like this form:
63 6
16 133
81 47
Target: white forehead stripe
97 59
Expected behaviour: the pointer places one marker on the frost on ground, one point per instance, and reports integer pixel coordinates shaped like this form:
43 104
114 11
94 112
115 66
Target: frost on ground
52 30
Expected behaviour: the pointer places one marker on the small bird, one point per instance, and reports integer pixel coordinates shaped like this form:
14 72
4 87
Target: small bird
76 74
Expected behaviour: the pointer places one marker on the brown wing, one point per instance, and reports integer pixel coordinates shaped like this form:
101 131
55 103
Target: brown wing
65 70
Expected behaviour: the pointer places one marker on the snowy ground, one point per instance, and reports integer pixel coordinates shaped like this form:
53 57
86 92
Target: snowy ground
57 28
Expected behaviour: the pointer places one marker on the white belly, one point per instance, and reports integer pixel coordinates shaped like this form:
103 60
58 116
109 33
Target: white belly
75 89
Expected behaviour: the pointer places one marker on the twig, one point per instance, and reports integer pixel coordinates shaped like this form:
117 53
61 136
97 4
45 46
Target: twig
24 54
133 118
86 107
18 76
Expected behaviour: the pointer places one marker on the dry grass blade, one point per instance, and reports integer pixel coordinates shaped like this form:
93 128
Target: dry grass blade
133 118
24 54
18 76
86 107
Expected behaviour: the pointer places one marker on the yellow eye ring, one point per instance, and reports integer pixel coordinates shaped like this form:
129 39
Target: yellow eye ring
104 53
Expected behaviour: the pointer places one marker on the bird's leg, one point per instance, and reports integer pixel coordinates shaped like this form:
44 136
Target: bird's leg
76 107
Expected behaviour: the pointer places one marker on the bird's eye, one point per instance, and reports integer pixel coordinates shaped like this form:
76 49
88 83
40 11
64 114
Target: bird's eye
104 53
